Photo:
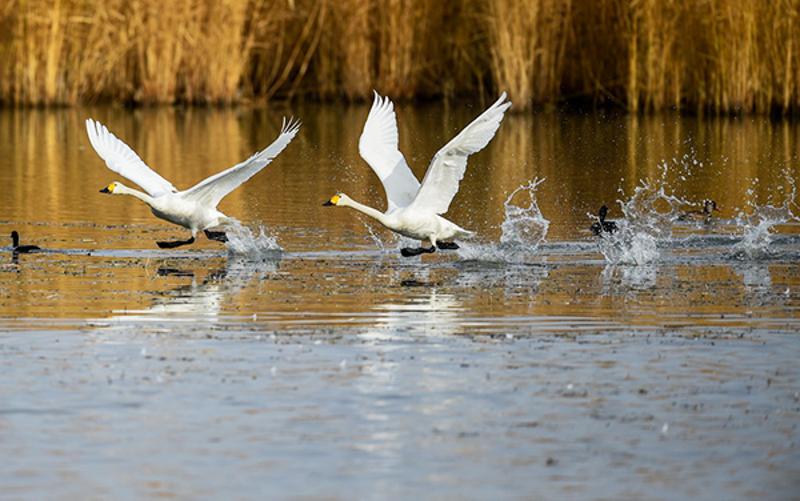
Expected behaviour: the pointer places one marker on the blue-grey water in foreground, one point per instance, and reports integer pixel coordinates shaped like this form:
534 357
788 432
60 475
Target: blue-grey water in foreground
337 369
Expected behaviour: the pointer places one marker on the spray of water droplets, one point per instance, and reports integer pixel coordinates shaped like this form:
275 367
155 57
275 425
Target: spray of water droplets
757 221
648 217
524 229
243 242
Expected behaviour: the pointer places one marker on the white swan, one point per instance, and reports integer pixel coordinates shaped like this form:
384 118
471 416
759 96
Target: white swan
196 208
414 210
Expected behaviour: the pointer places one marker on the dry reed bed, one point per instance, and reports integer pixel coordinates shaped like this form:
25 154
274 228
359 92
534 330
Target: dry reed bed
703 55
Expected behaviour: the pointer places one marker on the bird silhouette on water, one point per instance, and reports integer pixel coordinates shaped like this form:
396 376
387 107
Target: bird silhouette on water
16 248
709 206
602 225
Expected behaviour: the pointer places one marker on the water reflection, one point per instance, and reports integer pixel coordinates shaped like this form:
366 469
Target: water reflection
618 278
758 287
427 312
333 273
201 300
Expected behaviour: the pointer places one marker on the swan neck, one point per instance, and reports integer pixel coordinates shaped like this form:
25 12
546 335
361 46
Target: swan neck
124 190
365 209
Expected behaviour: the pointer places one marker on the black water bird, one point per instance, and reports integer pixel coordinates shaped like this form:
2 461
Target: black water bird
601 225
21 249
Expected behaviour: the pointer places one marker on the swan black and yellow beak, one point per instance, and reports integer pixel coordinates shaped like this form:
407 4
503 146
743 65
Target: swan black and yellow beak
105 190
109 188
333 201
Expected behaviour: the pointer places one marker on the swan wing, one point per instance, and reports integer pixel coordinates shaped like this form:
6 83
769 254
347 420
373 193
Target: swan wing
213 189
447 168
120 158
378 147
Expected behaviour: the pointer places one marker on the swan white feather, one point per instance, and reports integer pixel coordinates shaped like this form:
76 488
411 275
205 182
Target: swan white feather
378 146
415 210
440 184
195 208
213 189
120 158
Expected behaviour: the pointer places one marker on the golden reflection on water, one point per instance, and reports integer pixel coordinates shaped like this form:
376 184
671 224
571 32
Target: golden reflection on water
301 294
51 176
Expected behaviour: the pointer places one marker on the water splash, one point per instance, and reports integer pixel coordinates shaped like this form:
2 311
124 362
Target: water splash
523 230
391 243
757 222
648 217
374 237
243 242
524 226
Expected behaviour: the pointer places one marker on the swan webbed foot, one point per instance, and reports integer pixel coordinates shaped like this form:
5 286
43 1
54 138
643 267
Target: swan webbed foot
410 252
447 245
176 243
219 236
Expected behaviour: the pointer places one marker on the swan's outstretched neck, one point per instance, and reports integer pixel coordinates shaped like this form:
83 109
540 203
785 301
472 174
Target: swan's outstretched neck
144 197
364 209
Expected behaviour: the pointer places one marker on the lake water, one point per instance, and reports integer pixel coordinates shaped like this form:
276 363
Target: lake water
532 362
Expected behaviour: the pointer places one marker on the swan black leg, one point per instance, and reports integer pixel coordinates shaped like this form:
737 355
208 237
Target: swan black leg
176 243
447 245
409 252
219 236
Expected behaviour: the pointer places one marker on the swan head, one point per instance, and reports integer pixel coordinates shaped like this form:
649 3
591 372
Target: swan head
111 187
337 199
603 212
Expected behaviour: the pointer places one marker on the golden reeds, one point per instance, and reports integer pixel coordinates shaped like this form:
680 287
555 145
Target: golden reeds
527 42
710 55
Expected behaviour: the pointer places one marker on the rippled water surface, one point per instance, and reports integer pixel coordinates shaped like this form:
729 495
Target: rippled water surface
537 360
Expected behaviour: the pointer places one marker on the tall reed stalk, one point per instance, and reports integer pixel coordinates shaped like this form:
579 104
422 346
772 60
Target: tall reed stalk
527 42
715 56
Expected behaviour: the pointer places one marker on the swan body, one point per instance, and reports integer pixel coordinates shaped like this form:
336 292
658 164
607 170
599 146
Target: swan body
195 208
410 224
190 214
415 209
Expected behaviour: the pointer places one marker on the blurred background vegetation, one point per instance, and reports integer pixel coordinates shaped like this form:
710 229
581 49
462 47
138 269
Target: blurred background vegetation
713 56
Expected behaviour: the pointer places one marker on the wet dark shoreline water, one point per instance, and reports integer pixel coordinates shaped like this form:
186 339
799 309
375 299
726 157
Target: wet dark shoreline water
515 367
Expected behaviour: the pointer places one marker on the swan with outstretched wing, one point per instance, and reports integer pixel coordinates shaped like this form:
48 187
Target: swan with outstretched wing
195 208
415 209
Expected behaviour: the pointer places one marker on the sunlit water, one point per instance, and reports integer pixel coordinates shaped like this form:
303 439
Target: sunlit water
307 357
